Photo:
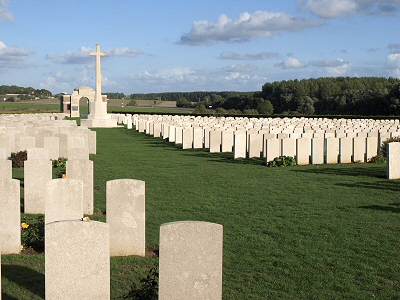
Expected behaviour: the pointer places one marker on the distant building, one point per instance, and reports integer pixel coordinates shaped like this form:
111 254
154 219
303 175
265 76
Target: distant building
69 103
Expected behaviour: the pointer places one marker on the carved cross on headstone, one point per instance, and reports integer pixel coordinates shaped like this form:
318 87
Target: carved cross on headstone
98 72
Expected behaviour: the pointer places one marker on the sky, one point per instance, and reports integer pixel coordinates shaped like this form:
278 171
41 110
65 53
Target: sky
155 46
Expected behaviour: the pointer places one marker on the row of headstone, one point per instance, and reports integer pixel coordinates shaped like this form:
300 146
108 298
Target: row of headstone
22 132
343 141
78 260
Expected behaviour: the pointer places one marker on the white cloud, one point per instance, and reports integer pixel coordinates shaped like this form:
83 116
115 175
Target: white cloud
329 63
241 68
334 67
340 8
82 55
5 14
261 24
246 56
291 63
393 62
14 57
125 52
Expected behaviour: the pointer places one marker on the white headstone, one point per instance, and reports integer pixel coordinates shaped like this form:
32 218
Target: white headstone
190 261
10 226
77 261
64 200
81 169
126 216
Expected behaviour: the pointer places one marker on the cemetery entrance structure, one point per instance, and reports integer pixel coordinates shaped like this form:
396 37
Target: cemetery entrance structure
70 103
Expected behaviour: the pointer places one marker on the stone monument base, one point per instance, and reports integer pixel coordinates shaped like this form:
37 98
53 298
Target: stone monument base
101 123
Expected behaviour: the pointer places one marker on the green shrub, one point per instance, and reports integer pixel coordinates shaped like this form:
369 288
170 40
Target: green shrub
282 161
132 103
147 289
378 159
61 165
32 233
18 159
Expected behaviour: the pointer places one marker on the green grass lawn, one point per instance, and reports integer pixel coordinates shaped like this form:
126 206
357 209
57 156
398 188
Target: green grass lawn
304 232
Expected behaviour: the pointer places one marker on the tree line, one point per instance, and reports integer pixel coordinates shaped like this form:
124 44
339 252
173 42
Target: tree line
25 93
306 97
335 95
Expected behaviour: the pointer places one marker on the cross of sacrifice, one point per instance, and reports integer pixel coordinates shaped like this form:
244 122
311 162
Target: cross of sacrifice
98 71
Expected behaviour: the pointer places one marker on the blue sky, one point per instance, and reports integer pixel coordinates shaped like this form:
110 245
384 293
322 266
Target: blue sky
211 45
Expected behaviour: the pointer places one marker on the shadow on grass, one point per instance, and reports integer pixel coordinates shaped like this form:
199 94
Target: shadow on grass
388 185
24 277
392 207
371 171
224 157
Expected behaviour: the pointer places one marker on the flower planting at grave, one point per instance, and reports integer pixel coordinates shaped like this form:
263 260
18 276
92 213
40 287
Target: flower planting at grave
32 233
60 166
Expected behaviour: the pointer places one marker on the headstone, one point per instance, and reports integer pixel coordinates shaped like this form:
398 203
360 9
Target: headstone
77 261
171 134
272 149
178 135
5 165
126 216
288 147
227 140
187 138
36 173
38 153
24 142
332 150
317 151
64 200
92 138
239 148
372 147
255 145
10 226
215 141
303 151
63 144
51 143
82 169
345 150
359 149
198 142
190 261
393 158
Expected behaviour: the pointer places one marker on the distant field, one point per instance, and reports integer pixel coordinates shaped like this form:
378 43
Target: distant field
119 105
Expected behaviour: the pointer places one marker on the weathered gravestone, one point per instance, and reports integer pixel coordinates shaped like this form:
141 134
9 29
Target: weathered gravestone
64 200
393 158
77 261
36 173
82 169
5 165
126 216
190 260
10 227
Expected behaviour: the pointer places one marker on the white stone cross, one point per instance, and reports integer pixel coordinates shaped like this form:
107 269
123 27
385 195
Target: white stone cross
98 72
